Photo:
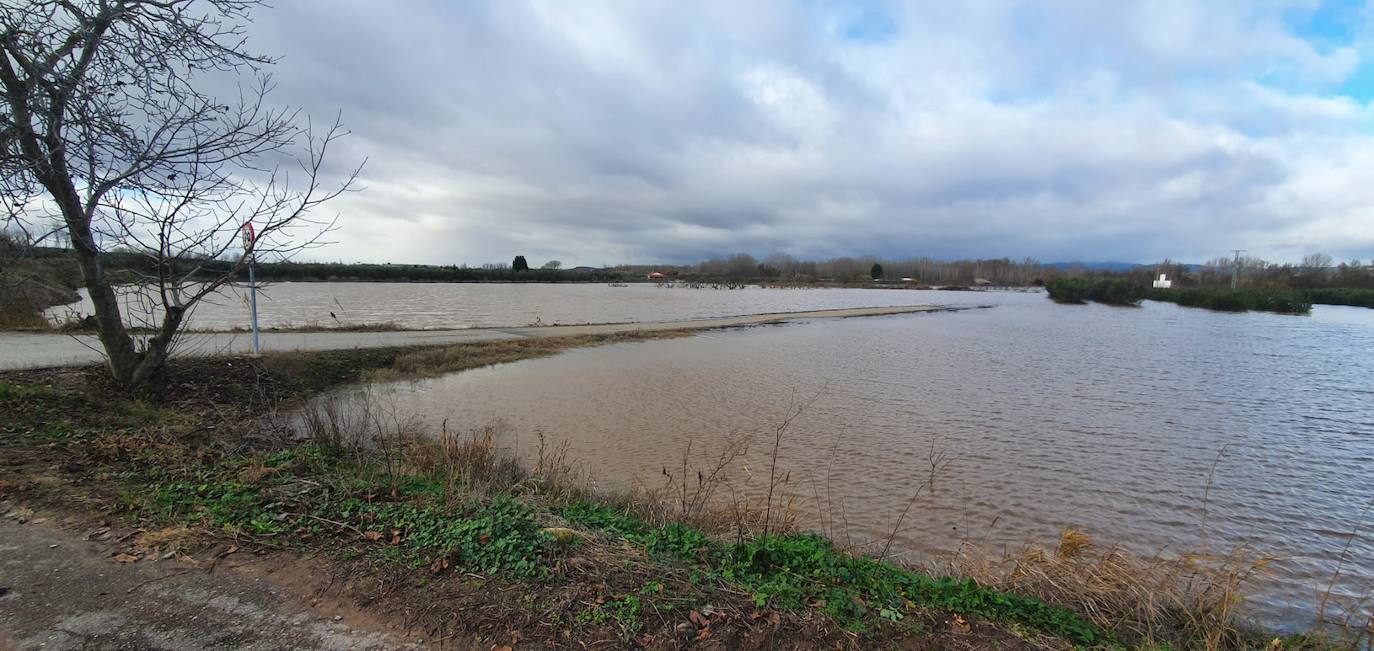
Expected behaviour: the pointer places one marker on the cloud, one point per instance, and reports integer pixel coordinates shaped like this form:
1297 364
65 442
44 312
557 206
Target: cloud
597 132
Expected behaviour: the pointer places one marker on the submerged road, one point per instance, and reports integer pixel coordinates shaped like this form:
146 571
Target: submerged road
20 350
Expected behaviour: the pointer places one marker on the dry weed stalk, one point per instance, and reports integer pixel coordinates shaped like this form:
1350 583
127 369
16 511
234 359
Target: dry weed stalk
938 460
794 410
694 489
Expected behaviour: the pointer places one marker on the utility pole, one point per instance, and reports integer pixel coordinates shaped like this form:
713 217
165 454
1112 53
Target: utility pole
1235 267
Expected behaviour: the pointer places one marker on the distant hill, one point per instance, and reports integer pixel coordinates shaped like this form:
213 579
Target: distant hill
1096 266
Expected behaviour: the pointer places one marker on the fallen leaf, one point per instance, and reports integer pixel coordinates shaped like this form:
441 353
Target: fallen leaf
698 619
775 619
125 558
959 625
439 565
232 549
395 536
819 603
373 535
703 634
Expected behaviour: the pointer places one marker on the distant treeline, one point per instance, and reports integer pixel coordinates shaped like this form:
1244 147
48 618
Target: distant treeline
138 266
784 268
1315 271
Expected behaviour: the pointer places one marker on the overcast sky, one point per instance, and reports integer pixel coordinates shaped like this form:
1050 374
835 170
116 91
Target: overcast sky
638 131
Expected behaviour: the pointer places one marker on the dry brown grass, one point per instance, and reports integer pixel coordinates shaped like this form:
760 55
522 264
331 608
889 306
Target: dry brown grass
470 460
1149 600
19 311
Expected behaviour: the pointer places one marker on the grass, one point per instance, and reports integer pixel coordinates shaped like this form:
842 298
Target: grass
797 571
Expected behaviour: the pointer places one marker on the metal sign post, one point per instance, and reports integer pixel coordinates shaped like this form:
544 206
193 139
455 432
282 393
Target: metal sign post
249 240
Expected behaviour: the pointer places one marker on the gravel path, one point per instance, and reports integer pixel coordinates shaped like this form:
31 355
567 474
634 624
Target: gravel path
20 350
58 591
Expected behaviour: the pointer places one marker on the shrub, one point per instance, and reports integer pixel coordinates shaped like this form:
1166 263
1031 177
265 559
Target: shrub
1281 301
1112 291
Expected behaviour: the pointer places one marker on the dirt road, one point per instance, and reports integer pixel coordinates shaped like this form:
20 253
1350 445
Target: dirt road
60 591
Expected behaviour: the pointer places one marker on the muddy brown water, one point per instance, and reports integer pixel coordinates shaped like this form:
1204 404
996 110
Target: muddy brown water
1108 419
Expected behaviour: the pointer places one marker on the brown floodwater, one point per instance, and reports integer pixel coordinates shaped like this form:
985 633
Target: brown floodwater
1108 419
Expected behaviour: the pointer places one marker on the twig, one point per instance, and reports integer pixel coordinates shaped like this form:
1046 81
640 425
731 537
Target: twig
156 579
335 522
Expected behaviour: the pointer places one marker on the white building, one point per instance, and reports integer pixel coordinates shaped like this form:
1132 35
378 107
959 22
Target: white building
1163 282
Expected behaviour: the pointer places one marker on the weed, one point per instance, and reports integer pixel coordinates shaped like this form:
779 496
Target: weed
621 610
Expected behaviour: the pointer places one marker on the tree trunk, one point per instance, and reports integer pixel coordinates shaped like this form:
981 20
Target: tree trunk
159 347
120 355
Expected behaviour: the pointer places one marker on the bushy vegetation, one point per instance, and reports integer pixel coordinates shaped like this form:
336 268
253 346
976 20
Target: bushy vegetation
1112 291
1342 296
1118 291
1282 301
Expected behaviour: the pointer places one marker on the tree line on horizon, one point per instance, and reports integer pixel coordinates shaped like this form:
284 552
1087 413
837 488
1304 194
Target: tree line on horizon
1313 271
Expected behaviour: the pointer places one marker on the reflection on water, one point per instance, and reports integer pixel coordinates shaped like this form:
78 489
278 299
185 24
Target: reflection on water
475 305
1053 416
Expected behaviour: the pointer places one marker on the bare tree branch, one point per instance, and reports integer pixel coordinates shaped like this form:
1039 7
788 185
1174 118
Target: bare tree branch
107 129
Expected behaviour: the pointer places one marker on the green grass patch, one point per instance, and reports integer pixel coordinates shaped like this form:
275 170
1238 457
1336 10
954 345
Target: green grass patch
797 571
408 520
622 611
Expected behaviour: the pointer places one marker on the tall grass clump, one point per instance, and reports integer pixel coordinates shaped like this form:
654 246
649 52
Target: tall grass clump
1112 291
1189 601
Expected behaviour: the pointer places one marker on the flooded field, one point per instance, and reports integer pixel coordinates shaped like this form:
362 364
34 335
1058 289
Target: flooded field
478 305
1109 419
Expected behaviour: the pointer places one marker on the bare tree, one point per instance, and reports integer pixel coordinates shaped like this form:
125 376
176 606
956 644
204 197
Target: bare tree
1315 263
109 133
